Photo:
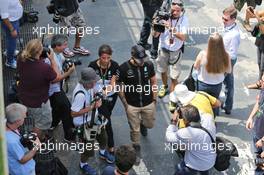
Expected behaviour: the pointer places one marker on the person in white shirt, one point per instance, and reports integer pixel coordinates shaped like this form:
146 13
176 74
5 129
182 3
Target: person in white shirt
231 38
61 106
171 47
83 105
11 11
199 155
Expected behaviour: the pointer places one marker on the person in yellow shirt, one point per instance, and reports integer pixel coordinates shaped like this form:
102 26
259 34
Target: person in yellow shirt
201 100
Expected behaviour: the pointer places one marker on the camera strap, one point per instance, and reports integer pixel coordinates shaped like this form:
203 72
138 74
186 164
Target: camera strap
14 131
103 75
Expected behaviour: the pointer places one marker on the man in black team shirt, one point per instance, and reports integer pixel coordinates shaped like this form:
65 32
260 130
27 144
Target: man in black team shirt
106 69
139 92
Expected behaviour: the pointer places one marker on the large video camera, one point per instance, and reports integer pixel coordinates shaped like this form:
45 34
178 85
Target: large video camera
27 138
56 11
163 14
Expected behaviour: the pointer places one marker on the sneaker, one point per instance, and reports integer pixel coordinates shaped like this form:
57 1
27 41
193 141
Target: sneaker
107 156
228 112
153 55
81 50
88 170
163 91
143 130
12 64
68 53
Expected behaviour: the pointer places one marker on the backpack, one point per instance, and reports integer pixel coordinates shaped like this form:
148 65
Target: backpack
224 150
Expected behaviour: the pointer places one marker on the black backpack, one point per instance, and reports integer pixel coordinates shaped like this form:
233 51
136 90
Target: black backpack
224 150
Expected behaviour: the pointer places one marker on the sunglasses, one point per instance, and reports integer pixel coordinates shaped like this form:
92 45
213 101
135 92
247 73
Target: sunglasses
225 19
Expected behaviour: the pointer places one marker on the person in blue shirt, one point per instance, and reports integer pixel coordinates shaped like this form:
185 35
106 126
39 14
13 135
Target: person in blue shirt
20 159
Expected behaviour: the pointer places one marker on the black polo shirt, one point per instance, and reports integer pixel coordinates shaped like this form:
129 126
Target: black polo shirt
136 79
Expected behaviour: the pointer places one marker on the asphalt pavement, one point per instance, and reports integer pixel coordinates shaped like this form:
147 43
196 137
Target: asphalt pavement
119 23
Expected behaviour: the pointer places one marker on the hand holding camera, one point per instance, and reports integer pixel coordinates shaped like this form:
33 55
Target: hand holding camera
36 143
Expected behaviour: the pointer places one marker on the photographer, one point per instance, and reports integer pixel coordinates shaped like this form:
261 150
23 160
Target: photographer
20 159
83 107
149 8
171 46
10 12
35 77
256 121
125 159
70 15
106 68
61 107
197 159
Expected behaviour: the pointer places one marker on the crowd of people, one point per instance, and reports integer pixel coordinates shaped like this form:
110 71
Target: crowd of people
87 117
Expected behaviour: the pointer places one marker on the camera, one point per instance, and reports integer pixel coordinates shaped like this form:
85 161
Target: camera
160 16
51 7
176 106
27 138
68 63
56 11
98 96
259 161
45 52
29 17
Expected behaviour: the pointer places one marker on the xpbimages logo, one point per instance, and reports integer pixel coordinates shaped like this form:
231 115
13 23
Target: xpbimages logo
53 30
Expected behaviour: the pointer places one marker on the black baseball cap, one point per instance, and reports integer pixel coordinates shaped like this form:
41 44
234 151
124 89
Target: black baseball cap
138 52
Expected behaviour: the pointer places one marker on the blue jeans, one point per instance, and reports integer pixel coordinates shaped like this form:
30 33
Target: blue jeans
182 169
11 41
229 88
213 90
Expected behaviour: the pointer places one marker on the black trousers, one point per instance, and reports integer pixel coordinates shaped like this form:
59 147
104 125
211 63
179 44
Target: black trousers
61 111
106 110
149 11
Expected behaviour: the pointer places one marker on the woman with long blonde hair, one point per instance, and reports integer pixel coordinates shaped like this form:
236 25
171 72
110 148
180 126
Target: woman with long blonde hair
212 64
35 78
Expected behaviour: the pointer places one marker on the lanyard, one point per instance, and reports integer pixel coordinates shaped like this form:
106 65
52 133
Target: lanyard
103 75
13 131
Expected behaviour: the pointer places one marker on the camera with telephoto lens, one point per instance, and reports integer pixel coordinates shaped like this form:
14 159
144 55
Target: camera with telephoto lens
259 161
176 106
68 63
45 52
27 138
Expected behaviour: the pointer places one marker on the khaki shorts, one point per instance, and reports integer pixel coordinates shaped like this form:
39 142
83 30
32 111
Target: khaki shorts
74 20
168 60
42 116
